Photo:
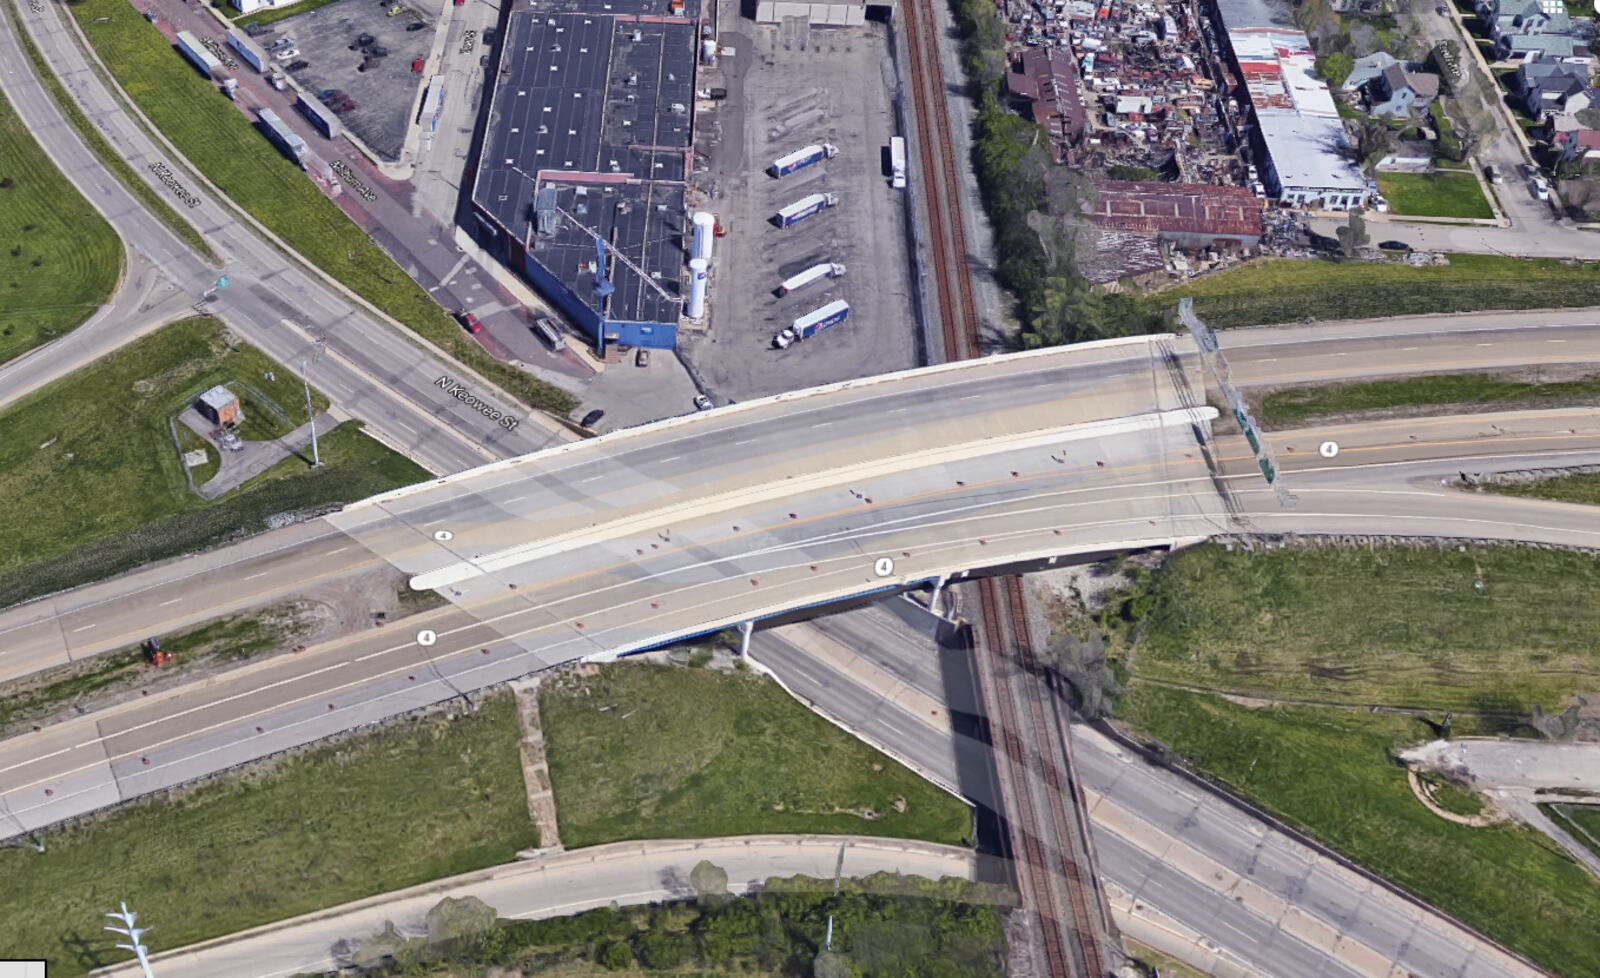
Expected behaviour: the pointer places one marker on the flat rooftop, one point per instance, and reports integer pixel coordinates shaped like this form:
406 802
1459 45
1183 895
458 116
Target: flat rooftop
593 114
1310 151
1193 208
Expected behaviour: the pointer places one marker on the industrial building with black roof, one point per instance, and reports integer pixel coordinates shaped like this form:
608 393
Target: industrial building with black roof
590 133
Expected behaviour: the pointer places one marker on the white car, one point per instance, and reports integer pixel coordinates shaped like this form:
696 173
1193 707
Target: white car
783 339
702 403
287 54
1540 188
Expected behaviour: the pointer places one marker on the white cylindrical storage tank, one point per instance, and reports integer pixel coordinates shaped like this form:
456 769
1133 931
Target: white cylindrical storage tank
705 226
697 287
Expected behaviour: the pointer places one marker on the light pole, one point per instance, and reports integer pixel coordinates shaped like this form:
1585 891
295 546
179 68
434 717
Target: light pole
132 933
311 417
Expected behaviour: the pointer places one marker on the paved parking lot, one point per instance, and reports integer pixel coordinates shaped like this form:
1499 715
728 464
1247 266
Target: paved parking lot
789 86
386 90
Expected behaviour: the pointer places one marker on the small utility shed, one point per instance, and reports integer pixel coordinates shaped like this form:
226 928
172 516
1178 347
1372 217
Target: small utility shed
218 405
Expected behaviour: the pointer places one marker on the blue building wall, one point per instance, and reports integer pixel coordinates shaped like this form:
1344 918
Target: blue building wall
655 336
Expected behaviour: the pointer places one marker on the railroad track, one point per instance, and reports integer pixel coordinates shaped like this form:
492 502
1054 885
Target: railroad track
1071 947
954 305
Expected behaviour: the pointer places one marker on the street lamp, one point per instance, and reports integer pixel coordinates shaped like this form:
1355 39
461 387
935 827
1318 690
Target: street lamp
311 416
126 918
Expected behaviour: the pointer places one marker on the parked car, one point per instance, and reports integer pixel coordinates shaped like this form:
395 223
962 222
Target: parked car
254 30
330 95
281 43
287 54
1491 174
483 61
299 65
1441 11
1540 188
641 358
702 403
470 322
1394 246
593 417
415 25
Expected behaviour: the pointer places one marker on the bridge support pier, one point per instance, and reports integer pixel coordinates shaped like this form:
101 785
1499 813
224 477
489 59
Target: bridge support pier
938 593
745 628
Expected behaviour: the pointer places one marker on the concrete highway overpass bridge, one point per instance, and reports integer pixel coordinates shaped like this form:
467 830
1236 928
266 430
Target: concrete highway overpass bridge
621 543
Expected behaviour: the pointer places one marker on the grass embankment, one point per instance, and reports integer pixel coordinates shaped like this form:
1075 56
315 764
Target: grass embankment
1582 822
1579 487
1440 193
59 259
692 753
1395 626
150 198
1285 290
1403 626
93 485
882 925
219 141
1305 405
382 810
1330 773
226 640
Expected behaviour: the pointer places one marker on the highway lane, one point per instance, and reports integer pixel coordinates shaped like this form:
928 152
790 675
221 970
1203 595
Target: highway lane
551 885
644 585
375 370
1159 840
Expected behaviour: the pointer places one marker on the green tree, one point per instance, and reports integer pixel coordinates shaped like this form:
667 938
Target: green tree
1354 234
710 882
1335 67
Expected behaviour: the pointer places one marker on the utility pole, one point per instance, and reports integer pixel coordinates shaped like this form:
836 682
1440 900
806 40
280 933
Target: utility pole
132 933
311 416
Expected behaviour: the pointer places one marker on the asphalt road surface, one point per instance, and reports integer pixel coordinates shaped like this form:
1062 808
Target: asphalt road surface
1206 866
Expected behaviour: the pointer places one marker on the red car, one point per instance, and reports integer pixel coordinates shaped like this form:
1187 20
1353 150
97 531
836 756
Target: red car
470 322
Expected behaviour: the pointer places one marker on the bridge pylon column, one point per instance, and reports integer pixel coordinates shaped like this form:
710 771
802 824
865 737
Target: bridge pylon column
745 628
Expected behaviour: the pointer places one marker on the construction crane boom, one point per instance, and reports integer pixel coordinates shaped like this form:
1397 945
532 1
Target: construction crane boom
603 243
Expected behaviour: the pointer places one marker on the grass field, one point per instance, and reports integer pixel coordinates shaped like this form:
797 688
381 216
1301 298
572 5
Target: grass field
86 493
1391 625
1329 772
217 139
691 753
147 196
1303 405
1579 487
59 259
382 810
1441 193
1283 290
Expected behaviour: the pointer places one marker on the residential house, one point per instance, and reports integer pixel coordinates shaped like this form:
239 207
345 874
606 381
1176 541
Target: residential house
1577 144
1522 47
1368 69
1399 91
1508 17
1542 83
